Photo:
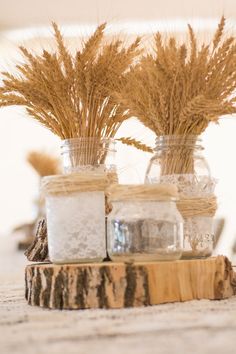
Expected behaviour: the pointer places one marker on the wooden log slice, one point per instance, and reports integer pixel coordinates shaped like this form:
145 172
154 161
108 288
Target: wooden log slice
118 285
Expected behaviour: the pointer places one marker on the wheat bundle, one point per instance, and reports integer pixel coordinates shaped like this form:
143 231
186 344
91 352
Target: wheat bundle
43 163
74 95
182 87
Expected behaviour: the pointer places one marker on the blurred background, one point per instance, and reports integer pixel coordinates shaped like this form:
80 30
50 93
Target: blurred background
28 22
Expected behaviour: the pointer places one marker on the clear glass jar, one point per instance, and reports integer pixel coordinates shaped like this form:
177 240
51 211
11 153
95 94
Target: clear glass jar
75 219
145 229
96 154
179 160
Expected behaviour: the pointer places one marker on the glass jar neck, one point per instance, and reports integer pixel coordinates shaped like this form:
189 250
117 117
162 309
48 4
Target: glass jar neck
191 142
88 154
177 153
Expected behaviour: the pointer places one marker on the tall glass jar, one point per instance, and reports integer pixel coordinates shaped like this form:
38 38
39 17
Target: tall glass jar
144 224
179 160
91 155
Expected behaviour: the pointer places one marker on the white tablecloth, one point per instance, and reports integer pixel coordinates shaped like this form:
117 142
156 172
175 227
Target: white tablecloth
193 327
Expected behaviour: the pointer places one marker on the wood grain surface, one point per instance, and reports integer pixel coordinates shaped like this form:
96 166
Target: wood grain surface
118 285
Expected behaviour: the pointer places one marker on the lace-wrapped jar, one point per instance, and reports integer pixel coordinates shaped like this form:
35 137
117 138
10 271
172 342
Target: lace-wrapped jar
144 224
179 160
75 211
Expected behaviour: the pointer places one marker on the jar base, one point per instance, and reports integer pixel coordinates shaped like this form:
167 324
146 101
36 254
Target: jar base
138 257
75 261
196 254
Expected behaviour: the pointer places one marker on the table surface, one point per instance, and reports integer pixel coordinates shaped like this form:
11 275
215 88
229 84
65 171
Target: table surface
192 327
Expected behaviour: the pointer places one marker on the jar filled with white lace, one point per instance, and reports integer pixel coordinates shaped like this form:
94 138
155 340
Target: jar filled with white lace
75 212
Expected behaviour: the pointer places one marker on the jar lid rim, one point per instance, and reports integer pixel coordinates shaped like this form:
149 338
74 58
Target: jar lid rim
88 138
177 136
188 141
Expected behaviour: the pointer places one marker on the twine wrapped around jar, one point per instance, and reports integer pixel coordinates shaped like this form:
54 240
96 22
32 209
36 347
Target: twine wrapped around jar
74 182
142 192
190 207
79 182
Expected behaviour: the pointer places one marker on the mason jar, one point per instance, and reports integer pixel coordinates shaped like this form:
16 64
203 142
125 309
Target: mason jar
75 213
179 160
91 155
144 224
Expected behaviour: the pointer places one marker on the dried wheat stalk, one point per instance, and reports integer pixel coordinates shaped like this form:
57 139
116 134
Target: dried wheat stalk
135 143
44 164
181 88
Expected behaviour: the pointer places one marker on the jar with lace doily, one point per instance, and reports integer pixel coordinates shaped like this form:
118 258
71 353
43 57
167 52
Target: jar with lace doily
179 160
75 211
